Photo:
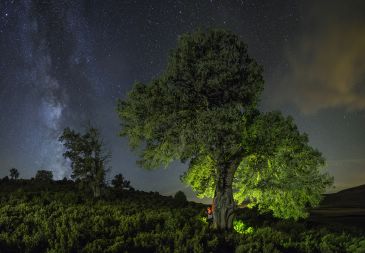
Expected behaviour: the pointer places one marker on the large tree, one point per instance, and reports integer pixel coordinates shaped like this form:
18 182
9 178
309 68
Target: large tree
87 155
202 109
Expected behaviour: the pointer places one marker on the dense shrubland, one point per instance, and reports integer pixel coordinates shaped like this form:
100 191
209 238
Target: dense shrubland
59 217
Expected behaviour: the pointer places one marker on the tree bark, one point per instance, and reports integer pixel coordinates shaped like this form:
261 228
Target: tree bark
96 190
224 204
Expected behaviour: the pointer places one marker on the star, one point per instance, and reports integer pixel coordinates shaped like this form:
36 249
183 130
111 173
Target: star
96 50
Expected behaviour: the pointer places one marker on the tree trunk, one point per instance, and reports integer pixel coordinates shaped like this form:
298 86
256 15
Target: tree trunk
224 204
96 190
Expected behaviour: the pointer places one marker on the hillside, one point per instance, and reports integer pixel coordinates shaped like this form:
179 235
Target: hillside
348 198
61 216
346 207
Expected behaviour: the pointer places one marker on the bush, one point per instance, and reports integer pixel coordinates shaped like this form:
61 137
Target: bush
242 228
63 220
356 245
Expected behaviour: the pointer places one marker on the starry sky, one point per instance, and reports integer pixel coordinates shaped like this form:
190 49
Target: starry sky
63 63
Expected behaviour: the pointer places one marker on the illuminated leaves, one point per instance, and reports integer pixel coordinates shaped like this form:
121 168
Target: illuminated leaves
202 110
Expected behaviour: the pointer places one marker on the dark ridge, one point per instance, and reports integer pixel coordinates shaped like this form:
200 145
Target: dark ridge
351 198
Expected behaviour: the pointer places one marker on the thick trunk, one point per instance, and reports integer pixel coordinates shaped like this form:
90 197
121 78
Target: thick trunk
224 204
96 190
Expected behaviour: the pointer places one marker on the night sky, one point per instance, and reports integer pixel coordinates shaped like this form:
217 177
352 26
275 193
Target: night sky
63 63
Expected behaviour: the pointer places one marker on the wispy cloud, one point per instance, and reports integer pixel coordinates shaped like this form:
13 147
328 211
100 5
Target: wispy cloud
327 63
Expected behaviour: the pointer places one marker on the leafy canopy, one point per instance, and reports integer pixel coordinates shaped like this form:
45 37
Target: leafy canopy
196 106
86 153
202 109
279 173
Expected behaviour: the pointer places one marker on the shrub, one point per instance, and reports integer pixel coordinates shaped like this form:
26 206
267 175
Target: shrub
67 221
180 198
241 227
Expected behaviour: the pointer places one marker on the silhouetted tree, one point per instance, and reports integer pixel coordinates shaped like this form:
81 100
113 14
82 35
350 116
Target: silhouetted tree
87 155
202 109
180 198
14 173
44 175
120 183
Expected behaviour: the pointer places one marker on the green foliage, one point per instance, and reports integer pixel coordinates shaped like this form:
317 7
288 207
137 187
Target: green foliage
139 222
87 155
241 227
204 220
62 220
200 176
357 245
202 109
282 173
196 105
332 243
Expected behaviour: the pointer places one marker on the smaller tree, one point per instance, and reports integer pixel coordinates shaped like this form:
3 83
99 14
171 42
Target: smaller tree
14 173
88 157
180 198
44 175
120 183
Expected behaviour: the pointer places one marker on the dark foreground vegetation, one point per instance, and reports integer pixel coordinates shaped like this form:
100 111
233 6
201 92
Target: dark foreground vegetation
346 207
58 216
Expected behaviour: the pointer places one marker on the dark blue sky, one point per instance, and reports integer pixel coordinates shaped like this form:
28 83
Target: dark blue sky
63 63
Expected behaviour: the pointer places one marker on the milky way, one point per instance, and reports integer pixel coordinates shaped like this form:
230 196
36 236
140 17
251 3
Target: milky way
49 85
64 63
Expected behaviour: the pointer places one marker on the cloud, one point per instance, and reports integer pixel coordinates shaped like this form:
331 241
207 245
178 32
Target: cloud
348 173
327 64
